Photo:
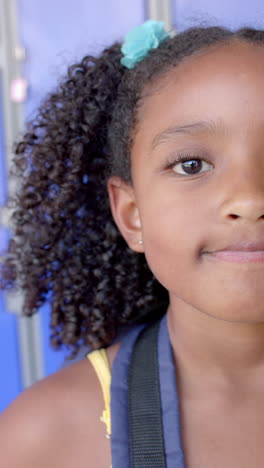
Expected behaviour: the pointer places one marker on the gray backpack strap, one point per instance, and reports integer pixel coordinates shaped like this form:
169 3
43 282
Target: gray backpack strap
146 440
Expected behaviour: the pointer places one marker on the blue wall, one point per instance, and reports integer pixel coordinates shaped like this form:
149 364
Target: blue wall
56 33
230 13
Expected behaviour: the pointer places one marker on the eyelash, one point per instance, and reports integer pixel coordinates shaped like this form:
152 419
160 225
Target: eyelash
181 158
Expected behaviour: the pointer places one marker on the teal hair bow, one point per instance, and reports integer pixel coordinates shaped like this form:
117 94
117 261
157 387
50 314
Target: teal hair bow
141 40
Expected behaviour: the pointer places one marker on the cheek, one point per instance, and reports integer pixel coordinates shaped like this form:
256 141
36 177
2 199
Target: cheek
172 240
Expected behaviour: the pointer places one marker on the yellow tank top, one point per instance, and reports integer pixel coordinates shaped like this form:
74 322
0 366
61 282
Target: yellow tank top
99 361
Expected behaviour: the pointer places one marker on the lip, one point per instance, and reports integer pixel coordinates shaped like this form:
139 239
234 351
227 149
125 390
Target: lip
240 252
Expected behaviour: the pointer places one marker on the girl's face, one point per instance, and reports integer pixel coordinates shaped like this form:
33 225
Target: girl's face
200 219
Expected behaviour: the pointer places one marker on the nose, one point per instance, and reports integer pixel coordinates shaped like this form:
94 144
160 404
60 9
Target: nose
245 200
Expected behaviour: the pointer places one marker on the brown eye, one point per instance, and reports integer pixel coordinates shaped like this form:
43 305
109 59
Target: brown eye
191 167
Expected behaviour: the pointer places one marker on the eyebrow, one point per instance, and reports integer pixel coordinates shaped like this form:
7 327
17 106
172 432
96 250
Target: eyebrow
194 128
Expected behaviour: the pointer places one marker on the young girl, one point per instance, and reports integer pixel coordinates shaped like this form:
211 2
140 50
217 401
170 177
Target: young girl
143 193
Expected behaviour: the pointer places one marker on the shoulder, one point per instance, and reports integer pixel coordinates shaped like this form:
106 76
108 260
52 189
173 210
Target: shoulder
56 422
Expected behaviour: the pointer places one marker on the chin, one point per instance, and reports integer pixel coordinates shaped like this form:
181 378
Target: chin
241 311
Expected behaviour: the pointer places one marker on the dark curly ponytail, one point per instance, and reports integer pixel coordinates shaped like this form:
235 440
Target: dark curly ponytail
65 241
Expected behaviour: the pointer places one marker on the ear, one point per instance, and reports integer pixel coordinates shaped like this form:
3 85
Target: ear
125 212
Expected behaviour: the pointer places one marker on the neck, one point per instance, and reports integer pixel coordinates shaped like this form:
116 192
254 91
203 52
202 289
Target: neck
218 350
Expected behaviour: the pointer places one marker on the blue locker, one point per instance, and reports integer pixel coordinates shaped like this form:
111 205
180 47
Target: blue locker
3 175
10 383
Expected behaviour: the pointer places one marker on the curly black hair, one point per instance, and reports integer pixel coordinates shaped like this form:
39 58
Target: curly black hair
66 245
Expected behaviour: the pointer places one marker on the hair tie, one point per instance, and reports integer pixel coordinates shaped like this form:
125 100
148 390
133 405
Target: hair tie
141 40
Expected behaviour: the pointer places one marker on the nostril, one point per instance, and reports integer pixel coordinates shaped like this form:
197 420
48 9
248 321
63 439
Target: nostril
233 216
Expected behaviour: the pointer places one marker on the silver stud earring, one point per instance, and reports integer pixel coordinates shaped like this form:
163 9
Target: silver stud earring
140 241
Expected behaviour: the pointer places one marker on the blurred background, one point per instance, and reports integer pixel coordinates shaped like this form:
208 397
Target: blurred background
38 40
